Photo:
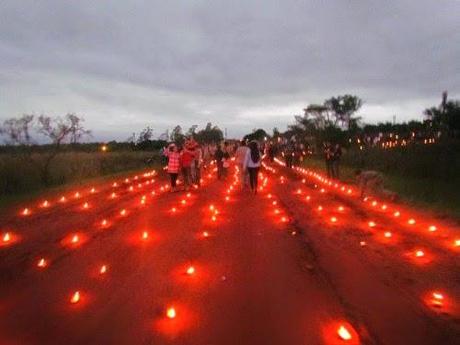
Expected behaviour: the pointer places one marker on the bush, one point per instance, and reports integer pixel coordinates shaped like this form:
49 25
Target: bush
20 173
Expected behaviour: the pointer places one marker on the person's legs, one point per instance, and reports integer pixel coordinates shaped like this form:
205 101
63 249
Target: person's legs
220 167
256 179
173 177
197 175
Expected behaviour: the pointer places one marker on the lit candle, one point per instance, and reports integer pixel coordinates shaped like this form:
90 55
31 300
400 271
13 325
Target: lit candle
171 313
42 263
190 270
103 269
343 333
75 297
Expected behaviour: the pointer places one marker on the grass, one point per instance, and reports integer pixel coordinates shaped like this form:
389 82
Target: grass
436 194
20 175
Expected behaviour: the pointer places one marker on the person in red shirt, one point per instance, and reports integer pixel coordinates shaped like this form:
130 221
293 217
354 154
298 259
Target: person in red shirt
173 164
187 156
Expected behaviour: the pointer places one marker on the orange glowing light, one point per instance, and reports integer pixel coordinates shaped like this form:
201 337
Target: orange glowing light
123 212
183 202
6 238
397 214
437 299
274 203
190 270
362 243
457 243
42 263
75 239
284 219
25 212
205 234
174 210
340 208
419 253
145 235
77 195
171 313
227 198
387 234
103 269
93 190
308 197
213 218
371 224
432 228
189 195
85 205
333 219
45 203
115 184
411 221
75 297
104 222
374 203
343 333
320 208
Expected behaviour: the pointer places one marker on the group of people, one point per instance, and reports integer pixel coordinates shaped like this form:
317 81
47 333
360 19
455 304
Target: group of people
332 155
189 159
186 160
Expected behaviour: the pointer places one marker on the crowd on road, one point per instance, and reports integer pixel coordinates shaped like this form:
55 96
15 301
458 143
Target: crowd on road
189 159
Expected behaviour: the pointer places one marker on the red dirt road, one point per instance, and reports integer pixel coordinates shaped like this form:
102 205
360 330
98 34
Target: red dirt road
268 269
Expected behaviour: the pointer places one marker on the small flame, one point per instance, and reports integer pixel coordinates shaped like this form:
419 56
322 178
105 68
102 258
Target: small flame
75 297
343 333
6 237
42 263
103 269
171 313
190 270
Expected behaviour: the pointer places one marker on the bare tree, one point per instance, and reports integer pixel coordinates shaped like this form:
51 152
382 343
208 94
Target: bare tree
58 130
17 130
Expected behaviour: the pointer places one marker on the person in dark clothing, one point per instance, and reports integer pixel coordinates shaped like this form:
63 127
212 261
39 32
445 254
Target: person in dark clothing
219 156
252 164
328 157
336 155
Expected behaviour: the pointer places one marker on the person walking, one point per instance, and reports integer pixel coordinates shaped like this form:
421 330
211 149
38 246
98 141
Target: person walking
219 156
198 160
336 155
187 157
252 164
240 157
173 164
328 156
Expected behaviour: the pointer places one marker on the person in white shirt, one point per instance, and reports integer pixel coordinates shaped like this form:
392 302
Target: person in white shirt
240 157
252 164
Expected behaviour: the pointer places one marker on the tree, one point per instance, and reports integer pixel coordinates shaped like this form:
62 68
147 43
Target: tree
145 135
210 134
17 130
257 134
343 108
77 131
192 131
319 114
177 136
58 130
446 117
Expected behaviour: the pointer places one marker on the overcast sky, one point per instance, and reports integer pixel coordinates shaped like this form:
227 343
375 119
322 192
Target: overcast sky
239 64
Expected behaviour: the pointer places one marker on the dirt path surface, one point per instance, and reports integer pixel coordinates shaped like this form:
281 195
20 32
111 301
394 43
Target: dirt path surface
219 266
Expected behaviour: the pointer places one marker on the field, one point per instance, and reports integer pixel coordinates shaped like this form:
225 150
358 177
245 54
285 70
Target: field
22 175
426 176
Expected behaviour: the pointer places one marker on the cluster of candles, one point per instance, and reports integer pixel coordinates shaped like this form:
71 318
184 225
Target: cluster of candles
436 298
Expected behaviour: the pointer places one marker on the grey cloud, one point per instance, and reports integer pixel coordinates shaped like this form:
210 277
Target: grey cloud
224 61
